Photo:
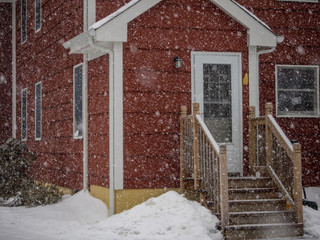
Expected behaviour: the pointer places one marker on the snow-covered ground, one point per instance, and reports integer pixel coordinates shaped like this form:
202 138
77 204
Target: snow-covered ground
170 216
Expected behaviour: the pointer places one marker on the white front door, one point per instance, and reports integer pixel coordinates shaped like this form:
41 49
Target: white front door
217 87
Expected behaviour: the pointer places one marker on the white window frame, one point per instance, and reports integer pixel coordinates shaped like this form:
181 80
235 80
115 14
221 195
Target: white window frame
35 16
26 22
302 115
36 111
75 129
305 1
24 138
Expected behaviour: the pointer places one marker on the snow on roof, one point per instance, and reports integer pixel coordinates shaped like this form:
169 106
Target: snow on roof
113 15
252 15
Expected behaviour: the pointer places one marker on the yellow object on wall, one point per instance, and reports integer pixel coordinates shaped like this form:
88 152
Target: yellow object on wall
245 80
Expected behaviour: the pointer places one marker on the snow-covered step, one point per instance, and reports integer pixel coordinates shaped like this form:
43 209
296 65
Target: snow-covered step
260 231
261 217
253 193
257 205
250 182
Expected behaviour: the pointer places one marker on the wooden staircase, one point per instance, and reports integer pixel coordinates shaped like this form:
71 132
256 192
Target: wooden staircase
257 210
248 207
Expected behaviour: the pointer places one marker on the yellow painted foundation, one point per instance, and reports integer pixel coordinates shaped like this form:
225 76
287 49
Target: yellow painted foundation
127 198
64 190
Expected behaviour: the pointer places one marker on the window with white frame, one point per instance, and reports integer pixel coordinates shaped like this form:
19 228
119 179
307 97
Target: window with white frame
23 21
37 15
24 114
77 101
297 90
38 110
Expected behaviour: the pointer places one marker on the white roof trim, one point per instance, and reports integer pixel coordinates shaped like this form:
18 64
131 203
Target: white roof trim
260 34
113 15
114 27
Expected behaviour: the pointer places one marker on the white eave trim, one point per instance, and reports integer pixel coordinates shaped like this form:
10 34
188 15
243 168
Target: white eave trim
113 28
260 34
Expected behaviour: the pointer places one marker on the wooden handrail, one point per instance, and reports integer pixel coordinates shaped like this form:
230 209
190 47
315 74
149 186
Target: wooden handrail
282 158
209 163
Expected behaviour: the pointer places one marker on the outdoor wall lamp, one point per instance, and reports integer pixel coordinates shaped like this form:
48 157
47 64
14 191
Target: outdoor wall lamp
178 62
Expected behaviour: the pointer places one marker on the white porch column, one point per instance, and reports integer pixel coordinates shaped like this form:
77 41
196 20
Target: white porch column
254 78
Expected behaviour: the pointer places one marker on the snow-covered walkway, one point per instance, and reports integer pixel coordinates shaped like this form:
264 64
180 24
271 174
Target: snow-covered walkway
81 217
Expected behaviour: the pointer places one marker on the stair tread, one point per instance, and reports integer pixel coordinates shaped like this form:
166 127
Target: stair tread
265 225
252 189
257 200
249 178
260 212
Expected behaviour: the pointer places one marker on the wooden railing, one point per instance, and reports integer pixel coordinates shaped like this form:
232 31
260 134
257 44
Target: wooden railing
205 161
270 151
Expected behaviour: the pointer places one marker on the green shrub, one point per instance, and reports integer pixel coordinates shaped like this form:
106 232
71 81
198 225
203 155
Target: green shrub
17 188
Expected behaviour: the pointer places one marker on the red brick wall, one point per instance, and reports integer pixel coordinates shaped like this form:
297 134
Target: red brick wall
154 90
299 24
5 72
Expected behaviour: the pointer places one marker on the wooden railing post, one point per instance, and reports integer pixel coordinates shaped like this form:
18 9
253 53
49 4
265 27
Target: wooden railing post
224 196
183 116
297 180
252 141
196 111
268 111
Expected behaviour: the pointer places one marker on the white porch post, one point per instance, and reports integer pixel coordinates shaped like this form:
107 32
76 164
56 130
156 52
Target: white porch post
254 78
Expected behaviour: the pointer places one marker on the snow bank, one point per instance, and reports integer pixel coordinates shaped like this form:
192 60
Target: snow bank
82 217
170 216
312 217
52 221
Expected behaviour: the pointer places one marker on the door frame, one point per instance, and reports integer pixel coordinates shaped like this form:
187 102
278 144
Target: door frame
237 83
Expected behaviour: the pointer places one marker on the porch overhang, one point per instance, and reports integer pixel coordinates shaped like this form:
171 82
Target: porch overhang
81 45
259 33
114 28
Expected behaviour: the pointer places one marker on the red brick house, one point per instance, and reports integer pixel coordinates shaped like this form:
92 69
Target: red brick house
93 88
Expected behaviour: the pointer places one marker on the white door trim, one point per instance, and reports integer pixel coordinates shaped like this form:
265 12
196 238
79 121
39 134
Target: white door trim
225 57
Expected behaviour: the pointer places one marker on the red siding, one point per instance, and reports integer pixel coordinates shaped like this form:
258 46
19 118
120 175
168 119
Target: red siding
5 72
43 58
154 90
299 24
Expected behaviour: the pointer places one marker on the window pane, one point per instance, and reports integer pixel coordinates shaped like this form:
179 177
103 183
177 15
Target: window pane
78 101
24 115
38 110
297 90
38 14
217 100
296 78
23 20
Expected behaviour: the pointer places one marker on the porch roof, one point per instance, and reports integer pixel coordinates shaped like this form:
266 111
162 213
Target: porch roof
113 28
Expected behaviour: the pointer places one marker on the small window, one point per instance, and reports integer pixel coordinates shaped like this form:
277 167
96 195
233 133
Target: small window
23 21
77 98
297 91
24 114
38 15
38 113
